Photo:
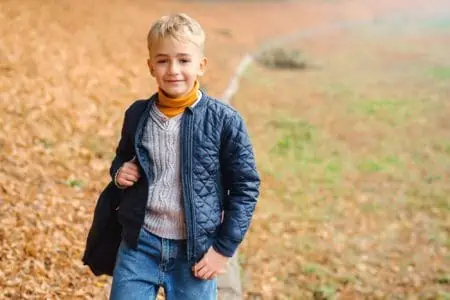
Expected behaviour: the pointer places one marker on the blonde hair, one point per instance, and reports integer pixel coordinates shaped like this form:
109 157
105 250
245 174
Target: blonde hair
178 26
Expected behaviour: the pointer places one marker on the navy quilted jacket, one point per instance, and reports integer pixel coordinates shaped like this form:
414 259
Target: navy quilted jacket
218 174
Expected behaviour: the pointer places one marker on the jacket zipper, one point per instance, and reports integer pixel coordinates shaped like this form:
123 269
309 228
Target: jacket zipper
186 146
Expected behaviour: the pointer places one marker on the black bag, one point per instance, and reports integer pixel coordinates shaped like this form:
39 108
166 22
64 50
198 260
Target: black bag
105 233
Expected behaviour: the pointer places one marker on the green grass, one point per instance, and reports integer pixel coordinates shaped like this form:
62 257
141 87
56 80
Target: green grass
363 164
440 24
46 143
297 137
390 111
305 151
75 183
325 291
312 269
443 295
446 147
374 165
444 279
440 72
377 107
339 90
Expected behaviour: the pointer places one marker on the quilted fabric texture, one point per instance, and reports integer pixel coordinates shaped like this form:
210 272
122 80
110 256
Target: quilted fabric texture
224 177
220 183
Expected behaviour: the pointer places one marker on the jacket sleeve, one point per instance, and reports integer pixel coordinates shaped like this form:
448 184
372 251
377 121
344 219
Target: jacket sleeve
124 150
241 181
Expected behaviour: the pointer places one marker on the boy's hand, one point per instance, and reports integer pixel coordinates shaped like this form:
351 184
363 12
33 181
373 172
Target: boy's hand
128 174
211 265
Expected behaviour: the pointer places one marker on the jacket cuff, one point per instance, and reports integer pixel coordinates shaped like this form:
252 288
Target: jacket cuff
225 246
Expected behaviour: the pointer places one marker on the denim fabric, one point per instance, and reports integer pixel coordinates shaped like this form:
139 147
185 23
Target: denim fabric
157 262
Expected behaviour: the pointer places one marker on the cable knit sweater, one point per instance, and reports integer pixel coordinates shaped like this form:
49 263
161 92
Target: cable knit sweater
164 215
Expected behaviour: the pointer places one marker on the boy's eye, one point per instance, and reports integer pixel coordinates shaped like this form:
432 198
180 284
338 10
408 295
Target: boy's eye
185 61
161 61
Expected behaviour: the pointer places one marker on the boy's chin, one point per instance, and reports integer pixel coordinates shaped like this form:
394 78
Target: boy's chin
172 93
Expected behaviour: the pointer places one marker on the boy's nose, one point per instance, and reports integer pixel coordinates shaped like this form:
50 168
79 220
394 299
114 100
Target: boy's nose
174 68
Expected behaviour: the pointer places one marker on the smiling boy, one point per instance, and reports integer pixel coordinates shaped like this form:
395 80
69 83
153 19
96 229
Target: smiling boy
187 172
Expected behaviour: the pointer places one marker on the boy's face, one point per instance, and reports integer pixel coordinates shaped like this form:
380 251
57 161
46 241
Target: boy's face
176 65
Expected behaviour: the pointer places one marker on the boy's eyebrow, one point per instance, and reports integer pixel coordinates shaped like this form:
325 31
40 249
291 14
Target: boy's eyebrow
178 54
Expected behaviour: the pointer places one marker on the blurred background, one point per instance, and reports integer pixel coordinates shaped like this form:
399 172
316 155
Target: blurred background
347 107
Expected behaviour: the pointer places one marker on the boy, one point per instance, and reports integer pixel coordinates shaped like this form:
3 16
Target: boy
187 173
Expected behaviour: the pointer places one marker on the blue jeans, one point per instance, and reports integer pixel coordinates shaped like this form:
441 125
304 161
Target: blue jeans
156 262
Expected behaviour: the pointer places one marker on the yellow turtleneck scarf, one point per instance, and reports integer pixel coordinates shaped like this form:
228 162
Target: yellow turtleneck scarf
172 107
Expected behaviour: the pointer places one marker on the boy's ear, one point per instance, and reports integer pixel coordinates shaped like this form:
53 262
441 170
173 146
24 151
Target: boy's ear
150 67
203 65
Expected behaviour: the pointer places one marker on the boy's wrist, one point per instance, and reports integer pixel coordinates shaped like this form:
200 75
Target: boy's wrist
115 180
218 252
225 246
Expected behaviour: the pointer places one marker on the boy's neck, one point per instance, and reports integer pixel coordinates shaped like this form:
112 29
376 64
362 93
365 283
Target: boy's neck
193 88
174 106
